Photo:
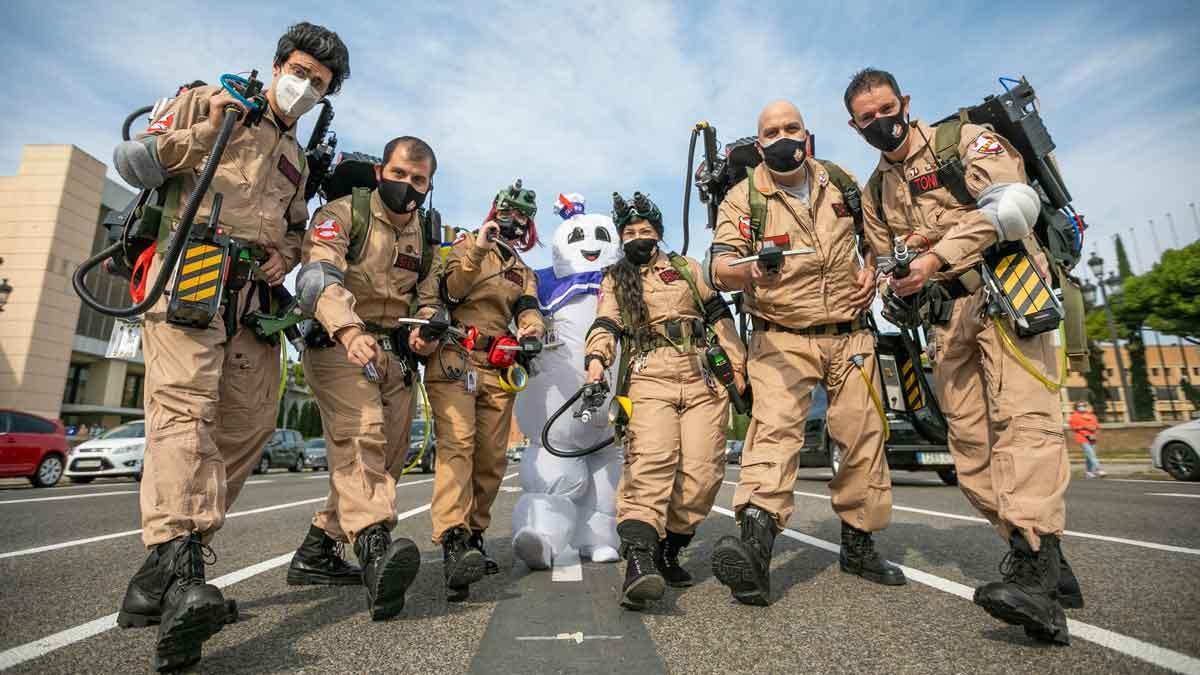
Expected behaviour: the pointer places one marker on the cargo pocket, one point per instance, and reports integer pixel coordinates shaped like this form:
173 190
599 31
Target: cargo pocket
182 477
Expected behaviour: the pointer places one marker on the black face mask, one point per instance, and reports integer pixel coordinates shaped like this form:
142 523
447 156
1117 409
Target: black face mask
510 229
399 196
886 133
639 251
785 155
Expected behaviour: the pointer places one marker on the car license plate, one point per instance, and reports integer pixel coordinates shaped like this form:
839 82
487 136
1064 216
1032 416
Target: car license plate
87 464
934 458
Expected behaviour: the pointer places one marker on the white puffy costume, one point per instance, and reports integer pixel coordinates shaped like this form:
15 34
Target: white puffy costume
568 506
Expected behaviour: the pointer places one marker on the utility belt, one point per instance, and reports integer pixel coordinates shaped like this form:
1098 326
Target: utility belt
684 335
840 328
393 340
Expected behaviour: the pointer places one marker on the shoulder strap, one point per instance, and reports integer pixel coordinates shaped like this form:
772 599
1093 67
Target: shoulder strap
360 222
946 137
681 265
875 189
849 189
427 246
758 208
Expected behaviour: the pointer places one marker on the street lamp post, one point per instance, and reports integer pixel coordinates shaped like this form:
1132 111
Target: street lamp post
1096 264
5 290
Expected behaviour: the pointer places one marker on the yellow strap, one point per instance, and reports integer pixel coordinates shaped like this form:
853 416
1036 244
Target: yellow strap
282 371
428 424
887 429
1049 384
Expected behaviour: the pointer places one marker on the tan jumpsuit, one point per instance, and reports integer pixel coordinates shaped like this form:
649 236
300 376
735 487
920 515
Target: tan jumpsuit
211 399
675 443
473 426
366 424
1005 427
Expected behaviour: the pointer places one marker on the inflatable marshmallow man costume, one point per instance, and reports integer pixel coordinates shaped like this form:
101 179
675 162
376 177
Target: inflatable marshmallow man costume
568 506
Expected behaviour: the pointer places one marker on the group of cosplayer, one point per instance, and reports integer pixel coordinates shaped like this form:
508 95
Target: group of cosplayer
615 306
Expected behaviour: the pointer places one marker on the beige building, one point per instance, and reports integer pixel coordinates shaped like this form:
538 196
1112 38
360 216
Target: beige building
1166 365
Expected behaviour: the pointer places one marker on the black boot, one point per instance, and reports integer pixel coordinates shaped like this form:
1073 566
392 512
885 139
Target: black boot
142 605
319 562
461 564
388 569
744 565
667 559
643 583
192 610
1070 596
1027 596
858 556
476 542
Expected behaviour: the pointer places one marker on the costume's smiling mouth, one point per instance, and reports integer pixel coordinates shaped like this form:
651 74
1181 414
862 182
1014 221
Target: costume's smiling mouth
590 256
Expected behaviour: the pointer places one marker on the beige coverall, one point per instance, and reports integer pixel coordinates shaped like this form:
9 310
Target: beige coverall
473 426
211 399
675 443
1005 427
366 424
806 333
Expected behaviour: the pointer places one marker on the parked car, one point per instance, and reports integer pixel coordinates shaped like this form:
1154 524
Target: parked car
416 439
117 452
516 451
733 452
32 447
906 449
1177 451
315 457
284 449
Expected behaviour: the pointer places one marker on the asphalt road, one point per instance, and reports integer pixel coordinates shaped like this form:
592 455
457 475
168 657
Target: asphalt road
66 554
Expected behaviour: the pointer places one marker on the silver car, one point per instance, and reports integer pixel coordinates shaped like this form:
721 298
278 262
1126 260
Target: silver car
1177 450
315 456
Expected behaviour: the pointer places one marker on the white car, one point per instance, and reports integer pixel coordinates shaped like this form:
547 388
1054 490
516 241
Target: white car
1177 450
117 452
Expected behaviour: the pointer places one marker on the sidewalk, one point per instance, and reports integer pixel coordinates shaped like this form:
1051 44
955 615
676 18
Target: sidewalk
1123 469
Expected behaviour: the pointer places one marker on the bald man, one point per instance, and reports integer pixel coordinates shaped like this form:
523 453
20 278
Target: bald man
809 316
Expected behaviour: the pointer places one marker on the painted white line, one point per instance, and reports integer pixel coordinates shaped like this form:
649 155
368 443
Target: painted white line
258 482
1174 494
569 572
577 637
37 648
1138 649
62 497
315 477
1164 481
115 535
1070 533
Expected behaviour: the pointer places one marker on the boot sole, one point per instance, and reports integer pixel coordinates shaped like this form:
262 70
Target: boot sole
132 620
881 579
302 578
732 569
681 584
401 567
468 570
1071 601
1015 613
180 640
643 591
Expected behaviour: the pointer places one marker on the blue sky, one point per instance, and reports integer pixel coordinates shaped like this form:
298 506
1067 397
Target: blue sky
596 97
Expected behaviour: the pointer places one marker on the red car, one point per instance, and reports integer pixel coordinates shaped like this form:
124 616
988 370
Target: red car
32 447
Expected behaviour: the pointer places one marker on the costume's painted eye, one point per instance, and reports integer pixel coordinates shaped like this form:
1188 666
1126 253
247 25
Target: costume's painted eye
602 234
576 235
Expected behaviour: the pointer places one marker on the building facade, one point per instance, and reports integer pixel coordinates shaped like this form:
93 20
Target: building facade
1168 362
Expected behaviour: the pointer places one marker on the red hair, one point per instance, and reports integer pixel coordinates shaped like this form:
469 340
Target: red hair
526 242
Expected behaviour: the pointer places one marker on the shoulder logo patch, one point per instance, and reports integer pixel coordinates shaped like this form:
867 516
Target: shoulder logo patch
987 144
161 125
326 230
744 227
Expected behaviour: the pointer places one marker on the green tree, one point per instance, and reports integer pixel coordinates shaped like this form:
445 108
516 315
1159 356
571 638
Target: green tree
293 417
280 415
1139 380
318 429
1097 392
1124 269
1190 392
1167 298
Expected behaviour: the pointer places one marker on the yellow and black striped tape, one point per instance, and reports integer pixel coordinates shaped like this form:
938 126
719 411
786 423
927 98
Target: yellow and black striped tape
200 273
1022 285
912 387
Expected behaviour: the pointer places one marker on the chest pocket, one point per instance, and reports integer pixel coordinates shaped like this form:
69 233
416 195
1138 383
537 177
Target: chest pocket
667 293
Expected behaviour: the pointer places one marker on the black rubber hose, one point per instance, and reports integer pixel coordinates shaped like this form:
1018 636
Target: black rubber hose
933 427
572 453
178 238
687 188
130 120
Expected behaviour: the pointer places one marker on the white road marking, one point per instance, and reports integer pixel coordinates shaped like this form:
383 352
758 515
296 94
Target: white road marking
577 637
62 497
1071 533
1137 480
1174 494
1138 649
258 482
315 477
569 572
126 533
510 489
32 650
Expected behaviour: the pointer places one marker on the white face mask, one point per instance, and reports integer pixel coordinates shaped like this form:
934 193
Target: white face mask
295 96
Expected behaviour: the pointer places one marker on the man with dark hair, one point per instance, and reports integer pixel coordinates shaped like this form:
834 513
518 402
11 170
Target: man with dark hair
362 260
951 194
211 390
